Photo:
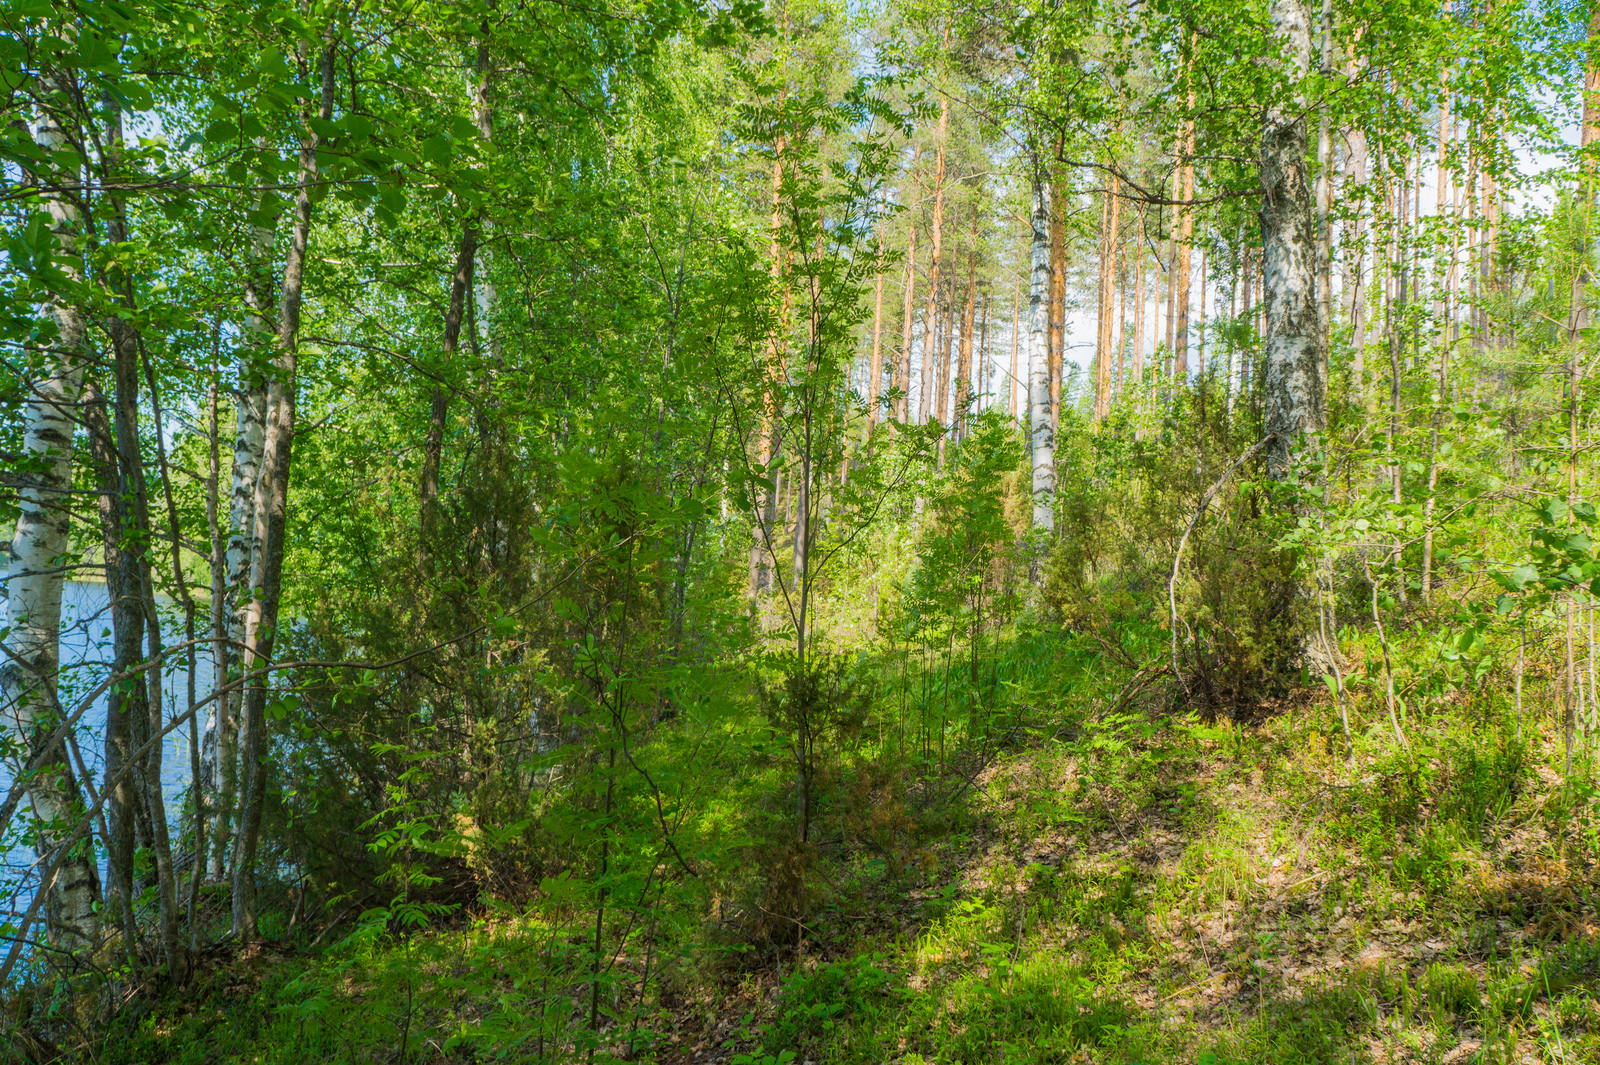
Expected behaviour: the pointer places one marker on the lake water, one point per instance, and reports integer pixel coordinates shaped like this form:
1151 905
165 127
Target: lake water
85 663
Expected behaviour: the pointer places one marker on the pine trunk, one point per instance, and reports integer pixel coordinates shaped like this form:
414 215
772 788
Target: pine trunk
968 321
1058 298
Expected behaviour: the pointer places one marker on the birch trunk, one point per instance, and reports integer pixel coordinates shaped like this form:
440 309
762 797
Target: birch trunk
34 584
1355 267
1016 336
271 514
1324 198
1042 430
249 435
929 325
1294 400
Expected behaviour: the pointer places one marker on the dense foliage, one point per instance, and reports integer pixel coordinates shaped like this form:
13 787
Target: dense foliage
817 531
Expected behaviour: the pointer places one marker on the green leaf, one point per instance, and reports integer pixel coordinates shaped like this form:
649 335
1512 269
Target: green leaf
436 150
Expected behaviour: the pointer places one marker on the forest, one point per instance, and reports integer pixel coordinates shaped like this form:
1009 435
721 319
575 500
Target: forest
767 531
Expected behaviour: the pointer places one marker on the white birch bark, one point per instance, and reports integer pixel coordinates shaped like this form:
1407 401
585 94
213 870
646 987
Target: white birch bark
248 442
39 549
1294 359
271 519
1042 438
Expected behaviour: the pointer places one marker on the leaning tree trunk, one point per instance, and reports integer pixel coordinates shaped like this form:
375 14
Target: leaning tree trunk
1294 358
1042 435
271 514
34 582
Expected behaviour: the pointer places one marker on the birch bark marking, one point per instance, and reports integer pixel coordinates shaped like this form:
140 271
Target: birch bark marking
1355 266
271 514
1294 400
1324 198
1042 432
250 421
930 316
1016 335
1101 345
35 578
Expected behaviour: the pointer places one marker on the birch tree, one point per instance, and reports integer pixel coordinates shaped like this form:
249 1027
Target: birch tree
1294 395
39 562
1042 440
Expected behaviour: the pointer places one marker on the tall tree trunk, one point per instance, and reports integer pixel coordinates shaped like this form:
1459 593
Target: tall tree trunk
770 441
1042 430
1173 233
908 316
460 285
968 320
1058 298
1355 267
943 337
1294 389
219 617
1016 336
1107 302
137 530
271 517
1181 270
127 707
34 580
1136 372
1119 270
930 321
250 422
1325 198
439 401
875 370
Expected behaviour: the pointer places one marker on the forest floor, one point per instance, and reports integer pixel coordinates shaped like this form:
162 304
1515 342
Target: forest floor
1215 896
1122 891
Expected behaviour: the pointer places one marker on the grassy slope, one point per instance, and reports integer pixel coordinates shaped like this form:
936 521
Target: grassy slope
1120 890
